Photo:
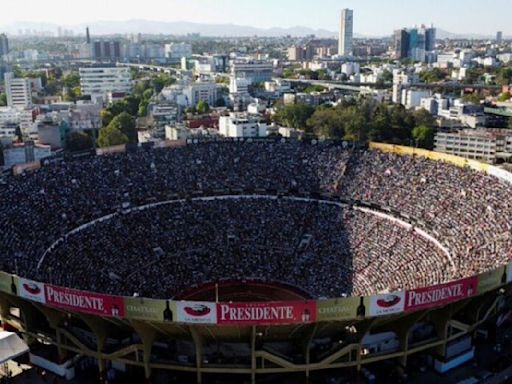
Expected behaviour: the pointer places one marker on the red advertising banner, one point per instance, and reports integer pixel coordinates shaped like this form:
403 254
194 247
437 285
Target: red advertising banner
86 302
273 313
439 295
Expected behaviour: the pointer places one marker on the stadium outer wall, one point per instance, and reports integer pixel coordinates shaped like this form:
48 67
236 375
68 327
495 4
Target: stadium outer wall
125 330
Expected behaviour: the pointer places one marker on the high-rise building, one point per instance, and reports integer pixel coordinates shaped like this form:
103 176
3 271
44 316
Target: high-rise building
346 32
414 43
106 50
87 36
4 45
19 91
499 37
401 44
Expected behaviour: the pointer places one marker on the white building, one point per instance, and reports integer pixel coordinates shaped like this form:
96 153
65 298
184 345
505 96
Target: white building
411 98
239 86
346 32
200 91
350 69
177 50
98 82
242 125
9 115
19 91
402 79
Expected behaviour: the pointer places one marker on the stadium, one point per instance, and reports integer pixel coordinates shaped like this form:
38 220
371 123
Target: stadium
255 261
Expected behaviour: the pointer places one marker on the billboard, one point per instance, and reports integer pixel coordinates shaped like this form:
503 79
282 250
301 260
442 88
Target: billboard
9 283
138 308
273 313
85 302
424 298
340 309
195 312
31 290
387 304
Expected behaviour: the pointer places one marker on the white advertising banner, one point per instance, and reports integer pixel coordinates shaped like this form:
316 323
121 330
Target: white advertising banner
193 312
32 290
387 304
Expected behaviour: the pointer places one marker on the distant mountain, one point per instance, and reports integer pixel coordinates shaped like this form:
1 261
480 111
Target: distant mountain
169 28
442 34
183 27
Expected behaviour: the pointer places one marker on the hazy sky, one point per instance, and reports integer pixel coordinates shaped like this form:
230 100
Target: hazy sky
371 17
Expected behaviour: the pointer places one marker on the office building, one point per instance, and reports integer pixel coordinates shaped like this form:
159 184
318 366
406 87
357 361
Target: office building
499 37
295 53
99 82
488 145
415 43
242 125
19 91
200 91
4 45
401 44
106 50
254 71
346 35
176 51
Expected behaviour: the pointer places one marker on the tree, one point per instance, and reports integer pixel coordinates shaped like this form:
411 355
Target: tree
387 76
147 94
3 100
125 123
78 141
143 108
294 116
161 81
110 136
106 117
131 104
432 76
71 80
504 96
327 122
202 107
504 76
423 117
423 136
473 98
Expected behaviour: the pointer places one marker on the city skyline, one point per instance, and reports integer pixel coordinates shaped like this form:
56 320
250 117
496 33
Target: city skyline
371 17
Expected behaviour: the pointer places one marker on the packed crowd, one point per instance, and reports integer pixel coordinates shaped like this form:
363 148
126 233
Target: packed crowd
159 251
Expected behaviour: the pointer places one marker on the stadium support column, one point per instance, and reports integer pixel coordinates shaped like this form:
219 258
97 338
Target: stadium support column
253 355
441 319
308 340
198 343
99 327
403 328
147 335
55 320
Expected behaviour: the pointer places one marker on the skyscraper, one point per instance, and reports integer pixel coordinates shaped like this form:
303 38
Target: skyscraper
415 43
4 45
346 32
87 36
401 44
499 37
